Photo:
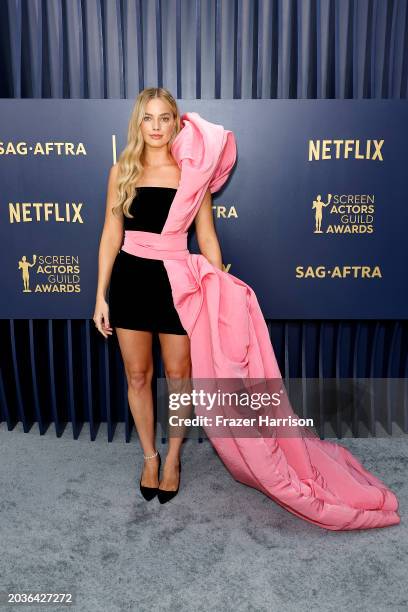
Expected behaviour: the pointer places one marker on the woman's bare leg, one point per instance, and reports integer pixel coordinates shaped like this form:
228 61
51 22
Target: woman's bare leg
175 351
136 350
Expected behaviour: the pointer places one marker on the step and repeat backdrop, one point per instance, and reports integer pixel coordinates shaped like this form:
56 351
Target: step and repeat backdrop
314 216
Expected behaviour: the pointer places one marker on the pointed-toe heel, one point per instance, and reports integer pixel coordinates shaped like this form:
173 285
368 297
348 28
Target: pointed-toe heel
165 496
149 492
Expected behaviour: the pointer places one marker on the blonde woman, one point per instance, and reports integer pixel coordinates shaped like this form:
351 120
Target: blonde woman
141 188
218 327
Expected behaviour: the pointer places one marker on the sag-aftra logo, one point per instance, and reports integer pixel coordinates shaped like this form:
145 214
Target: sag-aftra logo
43 148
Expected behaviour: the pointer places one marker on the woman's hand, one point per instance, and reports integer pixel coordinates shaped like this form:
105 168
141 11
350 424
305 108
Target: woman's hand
101 317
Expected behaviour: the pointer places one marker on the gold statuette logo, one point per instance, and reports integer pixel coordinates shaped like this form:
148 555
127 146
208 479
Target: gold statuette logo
24 266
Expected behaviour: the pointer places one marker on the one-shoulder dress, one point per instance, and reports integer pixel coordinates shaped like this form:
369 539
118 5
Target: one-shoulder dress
140 295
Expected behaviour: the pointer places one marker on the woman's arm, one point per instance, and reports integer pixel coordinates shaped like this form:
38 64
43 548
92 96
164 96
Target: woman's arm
206 235
109 245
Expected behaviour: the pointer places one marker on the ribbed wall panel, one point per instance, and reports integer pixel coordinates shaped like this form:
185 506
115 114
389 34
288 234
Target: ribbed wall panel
204 49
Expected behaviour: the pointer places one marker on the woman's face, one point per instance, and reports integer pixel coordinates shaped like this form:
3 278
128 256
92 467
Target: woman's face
157 121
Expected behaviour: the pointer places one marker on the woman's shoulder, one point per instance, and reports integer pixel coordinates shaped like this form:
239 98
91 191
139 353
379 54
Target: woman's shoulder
114 168
113 177
113 173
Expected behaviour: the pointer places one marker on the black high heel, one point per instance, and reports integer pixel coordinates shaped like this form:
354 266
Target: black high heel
149 492
163 495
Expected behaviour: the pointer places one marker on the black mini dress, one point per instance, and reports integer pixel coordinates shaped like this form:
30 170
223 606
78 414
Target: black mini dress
140 295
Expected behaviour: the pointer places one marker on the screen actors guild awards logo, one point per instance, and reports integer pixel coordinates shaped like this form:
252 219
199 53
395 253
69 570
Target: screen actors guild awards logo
348 214
53 274
24 266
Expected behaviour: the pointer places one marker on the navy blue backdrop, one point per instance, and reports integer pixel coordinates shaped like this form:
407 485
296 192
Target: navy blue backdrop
314 218
220 49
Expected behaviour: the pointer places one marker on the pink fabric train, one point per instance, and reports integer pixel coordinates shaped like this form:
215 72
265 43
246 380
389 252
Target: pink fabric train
317 480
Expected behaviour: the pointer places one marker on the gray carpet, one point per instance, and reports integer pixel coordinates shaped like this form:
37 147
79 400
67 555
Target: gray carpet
73 519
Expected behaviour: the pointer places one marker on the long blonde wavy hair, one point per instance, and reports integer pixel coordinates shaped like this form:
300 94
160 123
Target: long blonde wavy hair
130 166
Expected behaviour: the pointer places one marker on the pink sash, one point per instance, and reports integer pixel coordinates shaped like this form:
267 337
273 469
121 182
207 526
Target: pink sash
156 246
